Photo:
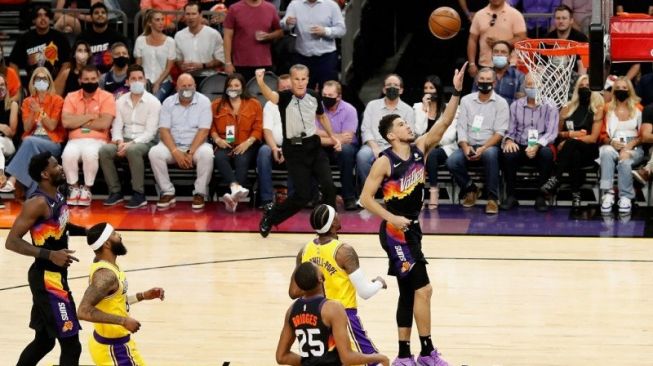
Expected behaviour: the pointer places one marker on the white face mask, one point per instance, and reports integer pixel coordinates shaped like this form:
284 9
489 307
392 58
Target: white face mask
81 57
137 87
234 93
187 93
41 85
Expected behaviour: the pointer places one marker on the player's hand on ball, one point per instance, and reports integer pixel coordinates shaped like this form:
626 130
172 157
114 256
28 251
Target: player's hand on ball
154 293
131 324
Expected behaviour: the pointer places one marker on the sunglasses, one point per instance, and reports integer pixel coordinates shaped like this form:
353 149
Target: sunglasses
494 20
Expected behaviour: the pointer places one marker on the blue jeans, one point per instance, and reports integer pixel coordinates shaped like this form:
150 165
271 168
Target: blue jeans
436 157
223 161
264 164
31 145
346 160
164 91
364 160
609 158
457 164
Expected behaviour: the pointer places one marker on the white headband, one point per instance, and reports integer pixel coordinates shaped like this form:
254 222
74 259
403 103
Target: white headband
327 226
106 233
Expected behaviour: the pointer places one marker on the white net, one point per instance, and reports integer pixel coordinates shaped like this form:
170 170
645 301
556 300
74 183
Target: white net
552 74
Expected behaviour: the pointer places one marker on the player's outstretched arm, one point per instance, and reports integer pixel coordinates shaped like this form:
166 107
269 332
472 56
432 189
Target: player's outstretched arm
380 169
333 314
284 355
268 93
293 290
347 259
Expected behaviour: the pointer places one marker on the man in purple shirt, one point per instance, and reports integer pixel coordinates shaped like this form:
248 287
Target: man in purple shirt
533 126
344 122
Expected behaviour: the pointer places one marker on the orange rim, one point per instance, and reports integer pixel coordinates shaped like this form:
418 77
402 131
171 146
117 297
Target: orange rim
565 48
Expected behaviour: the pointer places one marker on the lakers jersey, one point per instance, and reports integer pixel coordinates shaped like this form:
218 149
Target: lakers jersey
316 343
115 303
403 190
50 232
337 285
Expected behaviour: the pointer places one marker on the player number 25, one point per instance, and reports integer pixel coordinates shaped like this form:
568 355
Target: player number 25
316 346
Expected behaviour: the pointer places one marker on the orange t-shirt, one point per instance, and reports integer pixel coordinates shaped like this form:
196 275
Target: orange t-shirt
248 123
13 81
502 25
101 102
52 105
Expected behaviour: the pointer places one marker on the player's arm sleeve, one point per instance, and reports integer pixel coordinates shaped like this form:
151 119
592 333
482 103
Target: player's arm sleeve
364 287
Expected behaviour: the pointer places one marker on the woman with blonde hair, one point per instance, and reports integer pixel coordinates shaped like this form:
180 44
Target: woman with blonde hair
41 113
580 125
8 125
156 52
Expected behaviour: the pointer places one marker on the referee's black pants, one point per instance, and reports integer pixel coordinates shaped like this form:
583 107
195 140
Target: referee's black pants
303 162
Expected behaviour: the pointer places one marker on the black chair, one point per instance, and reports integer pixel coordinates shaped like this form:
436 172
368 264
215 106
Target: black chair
213 86
270 80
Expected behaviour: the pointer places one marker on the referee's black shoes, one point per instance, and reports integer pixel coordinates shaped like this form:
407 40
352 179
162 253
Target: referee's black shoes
265 226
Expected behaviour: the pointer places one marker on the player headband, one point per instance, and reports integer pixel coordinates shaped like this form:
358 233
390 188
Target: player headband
106 233
327 226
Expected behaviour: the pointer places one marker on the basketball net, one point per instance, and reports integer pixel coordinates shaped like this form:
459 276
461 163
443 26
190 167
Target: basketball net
551 63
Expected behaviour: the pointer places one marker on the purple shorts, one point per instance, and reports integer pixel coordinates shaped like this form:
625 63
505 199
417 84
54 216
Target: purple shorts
359 339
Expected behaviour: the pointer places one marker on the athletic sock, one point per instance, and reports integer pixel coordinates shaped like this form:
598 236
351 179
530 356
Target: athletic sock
404 349
427 345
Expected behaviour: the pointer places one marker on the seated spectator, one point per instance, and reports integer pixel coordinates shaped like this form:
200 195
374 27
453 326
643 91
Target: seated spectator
236 131
184 125
87 115
270 154
533 127
100 37
426 114
344 123
72 22
11 77
132 135
41 116
115 80
373 142
582 12
156 52
8 126
564 29
580 124
169 20
621 140
644 174
483 118
510 81
68 79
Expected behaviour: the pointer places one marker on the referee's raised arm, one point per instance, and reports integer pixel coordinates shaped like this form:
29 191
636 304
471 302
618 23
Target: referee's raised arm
268 93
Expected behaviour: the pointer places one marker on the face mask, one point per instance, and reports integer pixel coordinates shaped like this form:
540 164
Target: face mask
121 61
485 88
392 93
584 95
234 93
558 61
621 95
329 102
81 57
3 92
89 87
41 85
500 61
531 92
187 93
137 87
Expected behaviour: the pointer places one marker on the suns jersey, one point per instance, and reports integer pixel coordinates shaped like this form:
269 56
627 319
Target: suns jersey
115 304
316 343
403 190
337 285
50 232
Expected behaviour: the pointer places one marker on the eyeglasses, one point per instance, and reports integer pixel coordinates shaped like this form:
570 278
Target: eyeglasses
494 20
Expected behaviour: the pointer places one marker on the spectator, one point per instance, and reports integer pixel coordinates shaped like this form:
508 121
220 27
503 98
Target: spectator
643 175
620 135
580 124
87 114
510 81
317 24
11 77
236 130
72 22
373 142
426 114
68 79
582 12
115 80
168 21
344 123
156 52
533 127
40 46
41 116
564 29
497 21
299 107
8 126
199 47
270 154
537 27
249 29
482 122
183 127
132 135
100 37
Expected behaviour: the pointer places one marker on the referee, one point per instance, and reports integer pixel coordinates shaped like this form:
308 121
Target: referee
305 158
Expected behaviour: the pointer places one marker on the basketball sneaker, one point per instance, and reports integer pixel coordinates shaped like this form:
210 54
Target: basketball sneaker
433 359
404 361
73 196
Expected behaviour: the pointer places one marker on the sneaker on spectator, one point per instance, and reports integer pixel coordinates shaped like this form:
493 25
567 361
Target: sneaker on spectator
239 193
550 186
85 197
576 201
404 361
8 187
492 207
73 196
624 205
113 199
198 202
607 201
350 204
138 200
229 203
470 198
433 359
166 200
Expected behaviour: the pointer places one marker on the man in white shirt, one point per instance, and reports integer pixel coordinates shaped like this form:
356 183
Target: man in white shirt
132 135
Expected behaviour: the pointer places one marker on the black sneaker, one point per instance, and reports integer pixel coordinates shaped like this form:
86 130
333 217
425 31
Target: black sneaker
263 204
265 226
510 203
541 205
350 204
575 200
137 200
551 186
114 199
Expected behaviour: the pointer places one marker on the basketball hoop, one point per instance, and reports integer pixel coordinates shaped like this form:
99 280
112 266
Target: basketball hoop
551 63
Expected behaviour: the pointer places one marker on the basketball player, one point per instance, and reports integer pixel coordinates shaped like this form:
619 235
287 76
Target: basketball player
343 277
400 171
45 216
320 325
106 302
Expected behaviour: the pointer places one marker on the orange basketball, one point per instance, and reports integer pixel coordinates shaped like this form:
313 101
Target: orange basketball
444 22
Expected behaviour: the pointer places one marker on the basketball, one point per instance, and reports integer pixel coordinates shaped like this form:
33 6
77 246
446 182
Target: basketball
444 22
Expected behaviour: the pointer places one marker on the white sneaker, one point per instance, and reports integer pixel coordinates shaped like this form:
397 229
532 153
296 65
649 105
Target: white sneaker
73 196
85 197
607 201
229 203
239 193
624 205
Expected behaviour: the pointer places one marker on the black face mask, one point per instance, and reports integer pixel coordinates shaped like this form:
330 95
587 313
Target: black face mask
584 95
621 95
392 93
329 102
485 88
121 61
89 87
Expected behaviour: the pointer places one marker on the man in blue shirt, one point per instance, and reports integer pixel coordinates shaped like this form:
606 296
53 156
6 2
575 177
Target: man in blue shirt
509 81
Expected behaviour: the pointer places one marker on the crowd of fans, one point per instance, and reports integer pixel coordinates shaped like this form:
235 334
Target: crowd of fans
103 100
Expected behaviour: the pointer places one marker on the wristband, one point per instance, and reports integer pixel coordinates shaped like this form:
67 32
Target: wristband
44 254
457 93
